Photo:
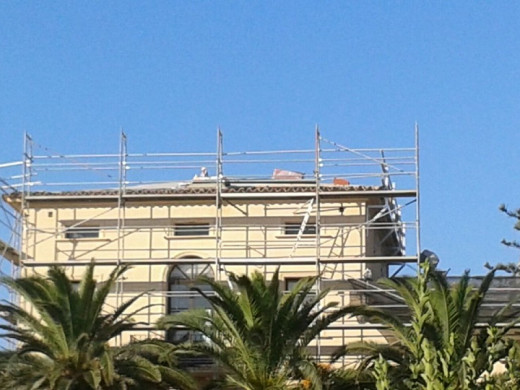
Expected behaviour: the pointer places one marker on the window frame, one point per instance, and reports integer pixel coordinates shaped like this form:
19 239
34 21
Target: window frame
82 233
290 283
186 277
293 229
191 229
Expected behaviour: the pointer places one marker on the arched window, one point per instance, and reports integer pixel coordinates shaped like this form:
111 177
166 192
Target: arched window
181 279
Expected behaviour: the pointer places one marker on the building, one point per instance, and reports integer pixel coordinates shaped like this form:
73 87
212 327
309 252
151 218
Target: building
330 210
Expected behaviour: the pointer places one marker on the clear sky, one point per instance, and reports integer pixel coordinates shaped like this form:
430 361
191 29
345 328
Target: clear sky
72 74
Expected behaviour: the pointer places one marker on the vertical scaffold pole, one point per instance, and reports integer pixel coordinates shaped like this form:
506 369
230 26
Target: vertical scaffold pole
24 216
317 176
120 198
26 190
418 197
218 205
121 213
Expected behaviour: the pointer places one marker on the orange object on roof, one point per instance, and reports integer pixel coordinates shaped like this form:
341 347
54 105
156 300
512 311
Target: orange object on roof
338 181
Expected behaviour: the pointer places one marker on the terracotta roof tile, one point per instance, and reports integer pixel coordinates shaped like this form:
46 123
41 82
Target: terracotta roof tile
198 189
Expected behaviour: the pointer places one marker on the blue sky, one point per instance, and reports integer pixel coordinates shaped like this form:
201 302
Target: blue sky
73 74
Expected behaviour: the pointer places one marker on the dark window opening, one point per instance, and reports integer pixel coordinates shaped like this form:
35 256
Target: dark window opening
294 229
181 297
290 283
83 232
191 229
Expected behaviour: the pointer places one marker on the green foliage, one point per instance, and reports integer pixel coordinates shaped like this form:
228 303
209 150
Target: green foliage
336 378
257 333
515 214
63 339
442 348
381 374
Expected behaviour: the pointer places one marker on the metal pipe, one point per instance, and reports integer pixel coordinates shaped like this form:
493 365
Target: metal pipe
418 202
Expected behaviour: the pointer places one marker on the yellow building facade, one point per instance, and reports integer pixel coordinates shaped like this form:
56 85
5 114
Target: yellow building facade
344 219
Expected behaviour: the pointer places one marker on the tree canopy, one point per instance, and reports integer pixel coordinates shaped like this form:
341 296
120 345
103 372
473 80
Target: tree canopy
444 343
260 334
63 335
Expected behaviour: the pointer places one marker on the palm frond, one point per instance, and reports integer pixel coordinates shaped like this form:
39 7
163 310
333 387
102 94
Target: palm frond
64 340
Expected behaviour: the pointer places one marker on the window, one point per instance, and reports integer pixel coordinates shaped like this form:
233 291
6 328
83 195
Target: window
290 283
294 229
182 279
82 232
191 229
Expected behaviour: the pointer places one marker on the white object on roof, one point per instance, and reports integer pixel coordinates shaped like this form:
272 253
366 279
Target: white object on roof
281 174
203 174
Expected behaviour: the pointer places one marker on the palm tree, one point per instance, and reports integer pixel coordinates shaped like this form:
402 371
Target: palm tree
345 378
443 338
63 339
258 334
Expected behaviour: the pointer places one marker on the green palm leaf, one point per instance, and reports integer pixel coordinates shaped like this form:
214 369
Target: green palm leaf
442 336
256 332
63 339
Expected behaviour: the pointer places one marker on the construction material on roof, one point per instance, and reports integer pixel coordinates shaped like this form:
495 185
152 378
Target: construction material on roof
282 174
338 181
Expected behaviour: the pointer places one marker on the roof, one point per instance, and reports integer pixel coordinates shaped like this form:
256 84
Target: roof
207 189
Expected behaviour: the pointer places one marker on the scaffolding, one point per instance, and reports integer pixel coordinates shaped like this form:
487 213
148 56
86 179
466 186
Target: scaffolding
330 192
